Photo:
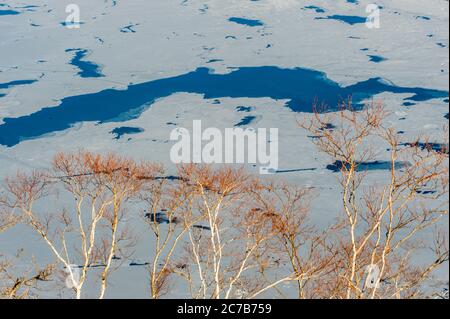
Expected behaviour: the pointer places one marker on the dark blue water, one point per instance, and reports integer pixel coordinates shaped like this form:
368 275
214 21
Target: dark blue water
426 192
301 87
8 85
247 22
161 218
245 109
246 121
376 58
315 8
71 24
436 147
296 170
8 12
129 28
352 20
367 166
124 130
327 127
88 69
214 61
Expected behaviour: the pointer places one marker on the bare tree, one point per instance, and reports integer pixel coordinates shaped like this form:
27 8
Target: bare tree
230 249
305 249
25 286
99 186
166 200
382 225
229 234
12 285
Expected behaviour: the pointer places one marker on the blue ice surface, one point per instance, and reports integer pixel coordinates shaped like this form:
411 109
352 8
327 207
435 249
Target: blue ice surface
352 20
124 130
88 69
303 88
376 58
247 22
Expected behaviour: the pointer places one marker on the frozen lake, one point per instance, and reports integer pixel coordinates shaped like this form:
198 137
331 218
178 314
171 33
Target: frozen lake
134 70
